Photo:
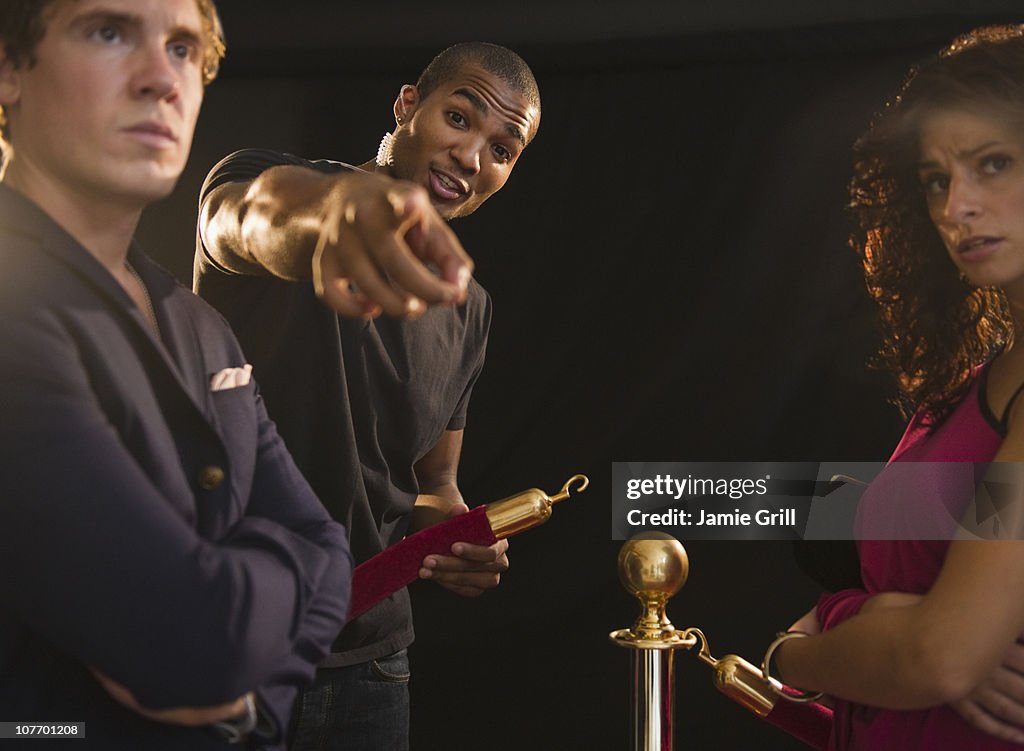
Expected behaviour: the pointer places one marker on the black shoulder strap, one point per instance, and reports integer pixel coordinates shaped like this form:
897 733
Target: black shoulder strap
1005 420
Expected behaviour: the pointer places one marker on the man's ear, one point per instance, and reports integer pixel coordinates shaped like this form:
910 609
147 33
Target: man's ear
406 103
10 80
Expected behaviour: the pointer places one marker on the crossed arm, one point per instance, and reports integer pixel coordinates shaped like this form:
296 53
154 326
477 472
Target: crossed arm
112 573
907 652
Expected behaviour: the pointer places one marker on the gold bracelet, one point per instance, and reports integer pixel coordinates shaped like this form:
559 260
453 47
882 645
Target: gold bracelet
803 697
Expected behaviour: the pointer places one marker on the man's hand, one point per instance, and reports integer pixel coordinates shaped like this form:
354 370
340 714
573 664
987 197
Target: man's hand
190 716
383 248
472 569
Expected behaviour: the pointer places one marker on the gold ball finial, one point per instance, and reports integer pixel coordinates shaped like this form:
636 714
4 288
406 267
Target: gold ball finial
653 564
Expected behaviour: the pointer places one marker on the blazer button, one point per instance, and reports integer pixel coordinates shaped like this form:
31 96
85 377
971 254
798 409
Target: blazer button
211 477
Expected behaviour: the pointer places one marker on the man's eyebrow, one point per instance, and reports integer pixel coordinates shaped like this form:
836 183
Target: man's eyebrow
481 106
188 34
119 17
106 14
516 134
478 104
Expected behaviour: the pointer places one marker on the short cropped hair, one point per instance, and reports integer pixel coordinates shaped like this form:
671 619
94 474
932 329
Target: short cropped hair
23 24
495 59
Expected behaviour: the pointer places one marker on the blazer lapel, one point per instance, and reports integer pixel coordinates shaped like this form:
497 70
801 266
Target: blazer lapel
179 339
178 365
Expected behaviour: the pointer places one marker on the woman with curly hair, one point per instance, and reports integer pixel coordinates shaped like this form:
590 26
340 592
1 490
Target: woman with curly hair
926 655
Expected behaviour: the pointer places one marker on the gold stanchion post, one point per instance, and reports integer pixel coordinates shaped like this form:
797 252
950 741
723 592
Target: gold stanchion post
652 566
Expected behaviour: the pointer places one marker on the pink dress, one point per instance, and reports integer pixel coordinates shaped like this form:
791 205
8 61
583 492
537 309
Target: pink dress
969 434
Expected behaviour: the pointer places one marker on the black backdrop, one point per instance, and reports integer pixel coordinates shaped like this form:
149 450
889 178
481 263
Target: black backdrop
671 282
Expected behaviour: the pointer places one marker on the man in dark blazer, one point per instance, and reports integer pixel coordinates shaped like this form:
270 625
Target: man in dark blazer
168 577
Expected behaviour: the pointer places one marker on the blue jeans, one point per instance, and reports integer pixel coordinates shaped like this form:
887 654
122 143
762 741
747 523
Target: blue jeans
362 707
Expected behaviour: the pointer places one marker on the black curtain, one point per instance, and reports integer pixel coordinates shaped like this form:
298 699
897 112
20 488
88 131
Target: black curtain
671 282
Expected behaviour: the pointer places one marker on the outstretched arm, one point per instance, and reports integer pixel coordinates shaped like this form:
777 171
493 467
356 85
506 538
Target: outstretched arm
370 243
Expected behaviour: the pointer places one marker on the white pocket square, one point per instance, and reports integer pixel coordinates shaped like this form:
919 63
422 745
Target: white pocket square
231 378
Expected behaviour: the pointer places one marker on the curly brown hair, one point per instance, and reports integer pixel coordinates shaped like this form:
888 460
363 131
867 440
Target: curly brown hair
23 24
936 327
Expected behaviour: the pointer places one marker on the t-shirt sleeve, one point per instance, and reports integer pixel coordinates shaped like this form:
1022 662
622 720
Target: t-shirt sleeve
248 164
241 167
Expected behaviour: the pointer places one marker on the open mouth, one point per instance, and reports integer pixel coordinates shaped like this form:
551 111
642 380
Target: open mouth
446 187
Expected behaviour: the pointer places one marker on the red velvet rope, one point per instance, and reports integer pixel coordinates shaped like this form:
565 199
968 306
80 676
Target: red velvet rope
810 723
399 565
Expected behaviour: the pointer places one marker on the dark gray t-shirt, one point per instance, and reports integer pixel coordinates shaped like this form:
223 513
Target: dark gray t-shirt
357 402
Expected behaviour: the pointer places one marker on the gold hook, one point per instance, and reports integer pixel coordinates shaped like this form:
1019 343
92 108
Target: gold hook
704 653
564 493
